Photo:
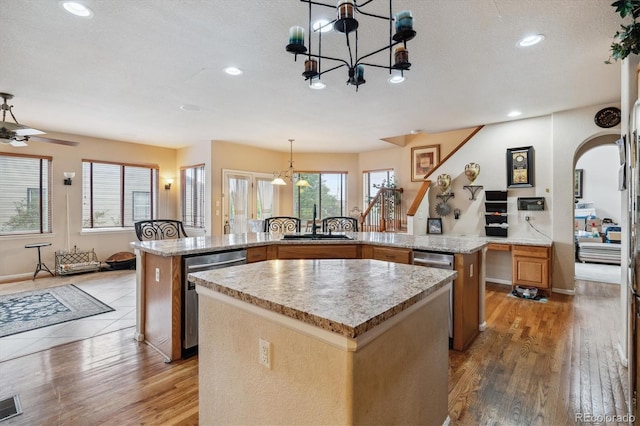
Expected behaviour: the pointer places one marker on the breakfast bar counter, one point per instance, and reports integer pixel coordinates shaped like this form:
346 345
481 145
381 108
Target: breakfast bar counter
356 341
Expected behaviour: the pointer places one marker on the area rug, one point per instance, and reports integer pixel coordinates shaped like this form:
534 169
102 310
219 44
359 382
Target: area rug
599 272
29 310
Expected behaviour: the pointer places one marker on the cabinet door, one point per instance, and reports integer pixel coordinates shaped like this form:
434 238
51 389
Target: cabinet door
531 271
466 300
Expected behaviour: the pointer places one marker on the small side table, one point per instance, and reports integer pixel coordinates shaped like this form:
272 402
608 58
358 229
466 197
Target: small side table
41 266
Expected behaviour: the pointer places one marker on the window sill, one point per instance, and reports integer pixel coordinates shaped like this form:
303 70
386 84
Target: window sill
107 231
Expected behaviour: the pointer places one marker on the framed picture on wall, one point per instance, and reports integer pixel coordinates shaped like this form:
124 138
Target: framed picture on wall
423 160
434 225
577 183
520 167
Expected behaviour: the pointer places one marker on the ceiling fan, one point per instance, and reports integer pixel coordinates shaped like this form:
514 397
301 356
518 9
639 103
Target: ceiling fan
16 134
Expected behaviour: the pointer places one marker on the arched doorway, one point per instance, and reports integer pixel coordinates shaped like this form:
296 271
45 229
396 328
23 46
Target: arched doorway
597 207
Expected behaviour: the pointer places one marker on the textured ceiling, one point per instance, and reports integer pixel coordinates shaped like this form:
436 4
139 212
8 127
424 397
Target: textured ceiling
124 73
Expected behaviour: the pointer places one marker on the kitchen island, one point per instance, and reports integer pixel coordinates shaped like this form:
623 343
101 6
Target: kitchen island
161 276
323 342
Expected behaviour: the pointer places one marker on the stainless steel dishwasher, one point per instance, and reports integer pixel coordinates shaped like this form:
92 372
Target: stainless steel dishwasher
440 261
198 263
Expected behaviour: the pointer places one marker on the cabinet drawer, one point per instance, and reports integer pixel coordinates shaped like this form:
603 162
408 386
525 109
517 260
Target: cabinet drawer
531 251
318 251
499 247
392 254
256 254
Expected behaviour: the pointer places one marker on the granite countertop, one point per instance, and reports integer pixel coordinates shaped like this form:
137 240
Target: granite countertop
210 244
437 243
347 297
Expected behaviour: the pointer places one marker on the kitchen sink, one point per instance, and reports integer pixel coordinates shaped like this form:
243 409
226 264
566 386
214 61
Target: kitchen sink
316 237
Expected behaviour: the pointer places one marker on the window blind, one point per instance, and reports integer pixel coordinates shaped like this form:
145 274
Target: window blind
117 195
25 191
192 186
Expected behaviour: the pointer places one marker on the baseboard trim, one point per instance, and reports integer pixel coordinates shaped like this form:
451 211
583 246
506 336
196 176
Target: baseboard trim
564 291
498 281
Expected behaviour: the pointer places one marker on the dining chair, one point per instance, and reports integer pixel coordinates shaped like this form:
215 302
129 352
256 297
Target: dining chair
159 229
282 224
340 223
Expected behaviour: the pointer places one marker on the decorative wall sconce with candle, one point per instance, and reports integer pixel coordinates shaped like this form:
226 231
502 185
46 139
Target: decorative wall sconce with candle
168 183
346 23
471 171
68 176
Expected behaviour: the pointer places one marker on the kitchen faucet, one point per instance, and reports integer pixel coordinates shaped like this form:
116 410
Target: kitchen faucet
313 223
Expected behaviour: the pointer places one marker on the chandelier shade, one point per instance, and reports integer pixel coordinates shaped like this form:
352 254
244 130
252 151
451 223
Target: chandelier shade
289 175
400 31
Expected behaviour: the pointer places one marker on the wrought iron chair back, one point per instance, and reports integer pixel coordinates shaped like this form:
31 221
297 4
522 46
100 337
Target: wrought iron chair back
282 224
159 229
340 224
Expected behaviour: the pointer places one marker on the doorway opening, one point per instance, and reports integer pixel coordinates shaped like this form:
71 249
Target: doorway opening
597 211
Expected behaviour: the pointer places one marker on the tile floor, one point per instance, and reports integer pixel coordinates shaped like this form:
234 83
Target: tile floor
115 288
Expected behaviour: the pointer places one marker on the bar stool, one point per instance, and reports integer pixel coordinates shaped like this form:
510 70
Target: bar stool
41 266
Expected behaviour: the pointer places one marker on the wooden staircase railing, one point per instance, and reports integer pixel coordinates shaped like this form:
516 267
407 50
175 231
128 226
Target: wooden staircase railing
384 213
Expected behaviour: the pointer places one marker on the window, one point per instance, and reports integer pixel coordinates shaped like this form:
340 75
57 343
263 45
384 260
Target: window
372 181
192 196
25 188
117 195
328 191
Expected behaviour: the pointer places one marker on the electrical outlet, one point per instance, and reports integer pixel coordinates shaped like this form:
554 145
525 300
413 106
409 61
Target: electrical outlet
157 275
471 270
264 353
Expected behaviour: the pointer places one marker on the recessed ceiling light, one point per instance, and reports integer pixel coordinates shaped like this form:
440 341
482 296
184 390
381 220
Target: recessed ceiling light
514 114
530 40
233 71
322 23
77 9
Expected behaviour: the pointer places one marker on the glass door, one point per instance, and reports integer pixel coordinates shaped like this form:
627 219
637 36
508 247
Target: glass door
248 199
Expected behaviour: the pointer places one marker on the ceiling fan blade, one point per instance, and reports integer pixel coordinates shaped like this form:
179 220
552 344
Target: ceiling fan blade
19 129
56 141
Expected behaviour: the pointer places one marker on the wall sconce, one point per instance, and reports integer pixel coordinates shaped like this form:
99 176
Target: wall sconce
68 176
168 183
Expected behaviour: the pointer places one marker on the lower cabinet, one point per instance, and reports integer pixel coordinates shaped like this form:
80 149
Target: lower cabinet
531 266
466 300
388 254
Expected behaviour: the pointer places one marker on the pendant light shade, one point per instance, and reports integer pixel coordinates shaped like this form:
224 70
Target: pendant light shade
289 174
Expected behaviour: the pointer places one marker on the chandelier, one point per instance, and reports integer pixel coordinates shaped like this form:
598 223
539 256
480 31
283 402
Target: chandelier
347 24
289 174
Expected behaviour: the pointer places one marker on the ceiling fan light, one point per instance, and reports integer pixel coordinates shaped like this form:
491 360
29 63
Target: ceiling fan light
18 143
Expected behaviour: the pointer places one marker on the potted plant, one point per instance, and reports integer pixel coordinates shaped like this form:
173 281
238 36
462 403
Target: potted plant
627 40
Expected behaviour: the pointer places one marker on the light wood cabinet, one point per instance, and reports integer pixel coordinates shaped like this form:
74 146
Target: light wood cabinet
466 300
318 251
531 266
256 254
388 254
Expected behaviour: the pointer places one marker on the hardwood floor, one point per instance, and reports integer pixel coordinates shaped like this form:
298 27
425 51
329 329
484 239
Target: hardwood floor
541 363
537 363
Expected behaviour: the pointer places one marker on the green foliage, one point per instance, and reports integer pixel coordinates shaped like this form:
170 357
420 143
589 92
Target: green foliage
626 40
27 217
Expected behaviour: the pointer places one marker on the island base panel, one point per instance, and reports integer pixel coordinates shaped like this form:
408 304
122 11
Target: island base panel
400 377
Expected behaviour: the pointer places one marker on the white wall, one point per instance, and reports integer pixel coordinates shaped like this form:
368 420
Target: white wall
488 148
600 180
